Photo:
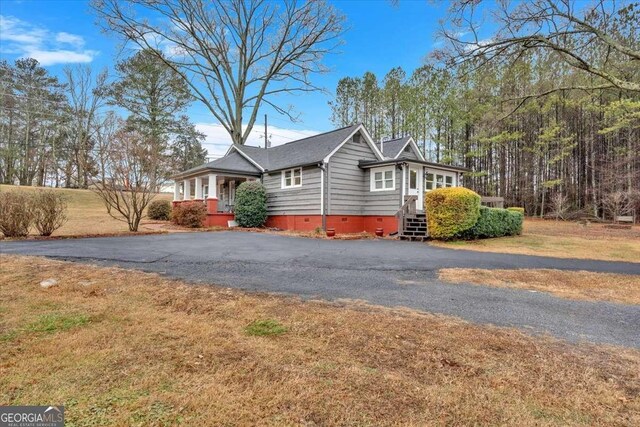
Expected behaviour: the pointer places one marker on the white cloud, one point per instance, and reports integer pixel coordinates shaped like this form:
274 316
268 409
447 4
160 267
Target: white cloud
24 40
218 140
71 39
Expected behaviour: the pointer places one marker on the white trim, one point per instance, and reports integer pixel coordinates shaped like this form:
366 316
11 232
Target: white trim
404 182
321 190
415 147
372 180
283 186
367 138
246 156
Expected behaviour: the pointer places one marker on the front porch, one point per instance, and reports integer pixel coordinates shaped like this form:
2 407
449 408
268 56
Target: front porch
215 190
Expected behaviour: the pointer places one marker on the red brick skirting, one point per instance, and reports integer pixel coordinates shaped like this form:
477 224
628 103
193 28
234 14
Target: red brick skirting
343 224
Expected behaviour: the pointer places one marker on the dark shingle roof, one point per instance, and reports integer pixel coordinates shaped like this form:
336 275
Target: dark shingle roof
234 162
297 153
391 148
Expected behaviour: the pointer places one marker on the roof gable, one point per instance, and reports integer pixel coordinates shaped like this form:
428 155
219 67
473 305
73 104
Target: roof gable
393 148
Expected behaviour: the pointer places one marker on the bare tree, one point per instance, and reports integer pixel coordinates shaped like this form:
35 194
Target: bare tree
618 203
589 37
233 54
129 180
559 204
86 97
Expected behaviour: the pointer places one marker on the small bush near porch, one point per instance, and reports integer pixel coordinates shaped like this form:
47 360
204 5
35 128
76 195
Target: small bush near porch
251 204
189 214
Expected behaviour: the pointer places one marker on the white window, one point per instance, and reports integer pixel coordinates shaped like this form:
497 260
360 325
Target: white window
438 180
429 182
448 181
292 178
383 179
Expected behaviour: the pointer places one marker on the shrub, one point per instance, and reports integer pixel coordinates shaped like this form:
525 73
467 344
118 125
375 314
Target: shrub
450 211
49 211
516 209
16 213
189 214
495 222
159 210
251 204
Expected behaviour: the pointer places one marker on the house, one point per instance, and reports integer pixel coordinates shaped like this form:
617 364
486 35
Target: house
340 179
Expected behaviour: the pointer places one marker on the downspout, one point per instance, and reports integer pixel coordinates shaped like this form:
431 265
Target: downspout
323 170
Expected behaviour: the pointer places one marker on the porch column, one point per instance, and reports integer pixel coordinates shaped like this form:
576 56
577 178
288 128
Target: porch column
176 191
186 195
212 197
198 188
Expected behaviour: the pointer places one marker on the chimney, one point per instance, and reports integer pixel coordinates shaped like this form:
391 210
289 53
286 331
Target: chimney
381 147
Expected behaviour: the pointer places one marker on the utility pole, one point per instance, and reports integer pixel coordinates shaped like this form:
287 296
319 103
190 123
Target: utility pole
266 137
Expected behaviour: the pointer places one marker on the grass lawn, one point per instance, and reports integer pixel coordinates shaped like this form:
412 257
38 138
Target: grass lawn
121 347
563 240
87 214
582 285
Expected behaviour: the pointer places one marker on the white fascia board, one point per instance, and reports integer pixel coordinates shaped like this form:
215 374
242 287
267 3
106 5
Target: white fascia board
413 144
367 138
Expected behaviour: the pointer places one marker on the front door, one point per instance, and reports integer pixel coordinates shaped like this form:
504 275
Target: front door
415 186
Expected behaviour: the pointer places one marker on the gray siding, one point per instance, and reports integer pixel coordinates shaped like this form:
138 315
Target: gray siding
382 202
303 200
411 154
348 185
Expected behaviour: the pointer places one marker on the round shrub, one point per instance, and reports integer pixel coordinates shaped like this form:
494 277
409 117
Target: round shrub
251 204
450 211
495 222
16 213
189 214
49 211
159 210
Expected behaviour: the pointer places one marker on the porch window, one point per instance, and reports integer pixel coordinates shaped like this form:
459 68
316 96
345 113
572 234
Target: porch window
383 179
292 178
448 181
439 181
429 182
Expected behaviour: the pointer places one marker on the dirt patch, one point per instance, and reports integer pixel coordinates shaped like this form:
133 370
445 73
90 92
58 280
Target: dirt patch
127 348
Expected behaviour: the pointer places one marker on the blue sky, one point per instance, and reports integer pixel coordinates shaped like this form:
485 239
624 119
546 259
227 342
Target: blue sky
380 36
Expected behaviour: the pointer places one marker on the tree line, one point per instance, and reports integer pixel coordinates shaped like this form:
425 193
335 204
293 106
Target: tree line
535 125
65 132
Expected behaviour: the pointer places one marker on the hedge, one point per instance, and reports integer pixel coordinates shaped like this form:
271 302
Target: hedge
516 209
494 222
451 211
250 204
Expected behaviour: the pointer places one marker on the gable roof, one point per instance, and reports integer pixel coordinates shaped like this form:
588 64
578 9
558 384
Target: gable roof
306 151
393 147
232 162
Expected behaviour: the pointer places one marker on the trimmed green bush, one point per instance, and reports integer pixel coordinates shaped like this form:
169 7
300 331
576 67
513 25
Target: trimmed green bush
189 214
451 211
159 210
516 209
494 222
251 204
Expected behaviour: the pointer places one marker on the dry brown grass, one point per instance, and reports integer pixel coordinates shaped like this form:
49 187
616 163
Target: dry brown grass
126 348
580 285
87 214
563 240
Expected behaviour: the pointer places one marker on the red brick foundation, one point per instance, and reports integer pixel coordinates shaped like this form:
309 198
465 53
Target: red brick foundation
341 223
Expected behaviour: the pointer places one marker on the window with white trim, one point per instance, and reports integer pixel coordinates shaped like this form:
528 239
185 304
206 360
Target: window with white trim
383 179
438 180
292 178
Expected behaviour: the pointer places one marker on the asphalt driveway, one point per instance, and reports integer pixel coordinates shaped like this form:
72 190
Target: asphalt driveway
384 272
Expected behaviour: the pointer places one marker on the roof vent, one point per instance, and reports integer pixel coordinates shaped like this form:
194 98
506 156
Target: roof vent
357 138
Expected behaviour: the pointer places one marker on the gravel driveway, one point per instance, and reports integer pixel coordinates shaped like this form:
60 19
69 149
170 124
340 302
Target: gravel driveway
384 272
